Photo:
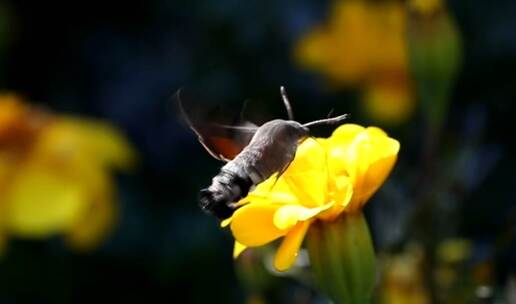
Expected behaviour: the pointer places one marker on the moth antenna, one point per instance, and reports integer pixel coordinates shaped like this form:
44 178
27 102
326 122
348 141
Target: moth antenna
287 103
326 121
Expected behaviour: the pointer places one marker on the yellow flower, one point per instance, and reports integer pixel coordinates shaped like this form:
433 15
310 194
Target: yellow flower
327 177
56 179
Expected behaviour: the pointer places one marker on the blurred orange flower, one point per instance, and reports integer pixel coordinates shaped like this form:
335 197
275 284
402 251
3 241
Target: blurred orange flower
55 174
364 44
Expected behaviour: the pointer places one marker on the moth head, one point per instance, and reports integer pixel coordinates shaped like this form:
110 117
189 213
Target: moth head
295 130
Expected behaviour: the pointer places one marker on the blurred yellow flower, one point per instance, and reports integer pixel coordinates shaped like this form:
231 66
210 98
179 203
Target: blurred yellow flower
403 279
363 44
389 99
343 42
426 7
327 177
55 174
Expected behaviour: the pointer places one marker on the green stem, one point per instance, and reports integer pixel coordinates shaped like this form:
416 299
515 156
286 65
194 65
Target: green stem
343 259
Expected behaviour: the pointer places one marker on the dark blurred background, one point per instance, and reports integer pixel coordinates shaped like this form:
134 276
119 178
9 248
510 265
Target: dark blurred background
123 61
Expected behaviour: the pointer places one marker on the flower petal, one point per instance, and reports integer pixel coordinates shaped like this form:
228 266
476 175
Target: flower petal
253 225
226 222
381 145
346 133
342 154
271 190
307 176
287 252
289 215
238 249
343 190
377 160
374 178
366 155
341 194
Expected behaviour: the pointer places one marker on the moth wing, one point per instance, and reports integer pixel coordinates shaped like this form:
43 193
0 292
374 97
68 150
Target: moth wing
224 140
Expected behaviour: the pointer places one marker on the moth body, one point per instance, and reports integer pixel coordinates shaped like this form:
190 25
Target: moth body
252 154
271 149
